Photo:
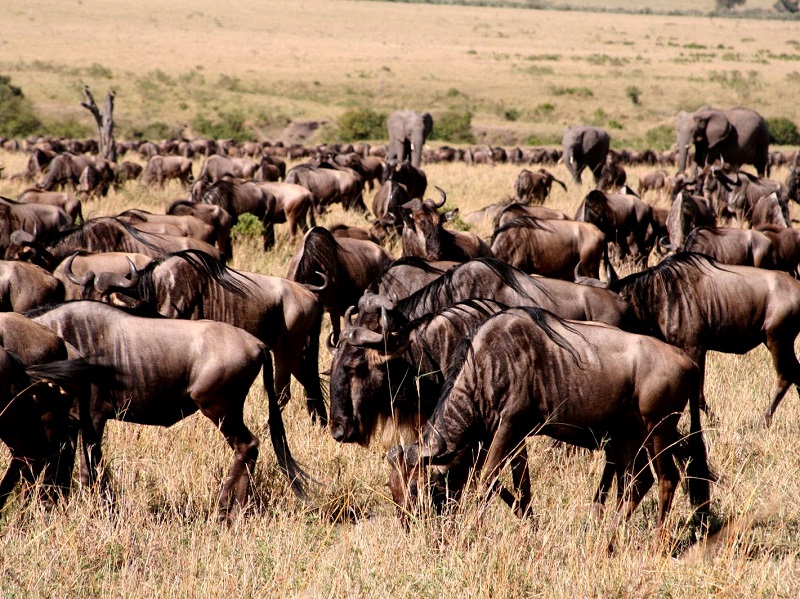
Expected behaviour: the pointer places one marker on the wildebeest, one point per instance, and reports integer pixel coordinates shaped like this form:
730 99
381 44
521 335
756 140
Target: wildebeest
770 210
745 247
104 234
686 214
653 181
328 186
534 187
424 234
294 205
512 211
36 219
218 167
743 191
77 272
215 216
408 274
349 265
352 232
692 302
166 370
624 219
237 197
36 425
25 286
70 205
785 248
494 279
612 175
182 226
160 169
551 248
284 315
411 177
525 372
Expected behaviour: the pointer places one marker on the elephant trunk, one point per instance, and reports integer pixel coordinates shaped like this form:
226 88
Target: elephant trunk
683 151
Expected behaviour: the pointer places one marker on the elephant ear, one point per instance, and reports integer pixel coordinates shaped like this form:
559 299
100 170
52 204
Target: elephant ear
718 128
427 122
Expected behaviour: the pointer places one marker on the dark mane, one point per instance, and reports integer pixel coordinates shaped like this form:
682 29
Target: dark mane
220 193
144 310
525 221
177 203
439 293
667 279
413 261
208 268
320 253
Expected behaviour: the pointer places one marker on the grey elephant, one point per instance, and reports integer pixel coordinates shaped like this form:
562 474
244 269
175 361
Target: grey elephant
408 131
585 146
737 136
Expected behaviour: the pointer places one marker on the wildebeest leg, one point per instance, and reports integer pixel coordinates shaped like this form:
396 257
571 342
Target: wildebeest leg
787 369
312 220
698 356
10 480
282 376
236 487
269 234
522 482
663 441
637 479
336 326
309 378
506 440
601 495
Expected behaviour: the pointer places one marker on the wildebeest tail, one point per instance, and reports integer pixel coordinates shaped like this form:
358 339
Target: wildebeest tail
277 432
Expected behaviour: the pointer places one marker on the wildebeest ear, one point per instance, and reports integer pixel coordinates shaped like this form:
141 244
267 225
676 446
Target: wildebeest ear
413 205
450 215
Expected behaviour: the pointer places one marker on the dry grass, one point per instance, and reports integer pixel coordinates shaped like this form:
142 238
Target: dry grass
163 538
170 62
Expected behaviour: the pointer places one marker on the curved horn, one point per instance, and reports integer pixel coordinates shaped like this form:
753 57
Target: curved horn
577 272
104 282
87 276
315 288
348 316
665 244
443 195
329 343
384 320
363 337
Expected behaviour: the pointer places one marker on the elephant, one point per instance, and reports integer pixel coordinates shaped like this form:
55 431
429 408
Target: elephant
407 133
585 146
737 136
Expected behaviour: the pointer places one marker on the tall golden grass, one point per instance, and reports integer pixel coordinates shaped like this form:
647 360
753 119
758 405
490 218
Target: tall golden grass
162 539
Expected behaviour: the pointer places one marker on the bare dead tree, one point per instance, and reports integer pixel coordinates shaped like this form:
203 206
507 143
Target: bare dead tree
105 122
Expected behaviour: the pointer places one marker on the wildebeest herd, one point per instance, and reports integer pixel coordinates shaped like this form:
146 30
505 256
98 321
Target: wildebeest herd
463 347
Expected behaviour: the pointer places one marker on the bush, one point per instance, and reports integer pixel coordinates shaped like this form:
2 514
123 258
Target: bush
17 117
660 138
783 131
453 126
633 93
248 227
362 123
231 125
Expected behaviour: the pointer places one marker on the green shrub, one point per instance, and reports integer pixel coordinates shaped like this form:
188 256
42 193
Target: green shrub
511 114
660 138
70 127
362 123
783 131
230 125
248 227
633 93
17 116
454 126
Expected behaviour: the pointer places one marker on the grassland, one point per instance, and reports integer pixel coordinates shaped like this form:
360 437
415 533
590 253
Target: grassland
163 539
523 74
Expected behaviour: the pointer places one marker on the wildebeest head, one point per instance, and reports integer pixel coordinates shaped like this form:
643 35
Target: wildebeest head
365 363
424 225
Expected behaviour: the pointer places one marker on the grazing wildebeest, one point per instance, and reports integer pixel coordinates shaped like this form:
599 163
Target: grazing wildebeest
745 247
218 167
612 175
352 232
424 234
349 265
411 177
502 387
624 219
159 169
25 286
654 181
511 211
36 219
692 302
282 314
166 370
179 226
743 191
294 205
785 248
551 248
534 187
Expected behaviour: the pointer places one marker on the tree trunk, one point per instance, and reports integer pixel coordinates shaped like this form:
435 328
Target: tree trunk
105 123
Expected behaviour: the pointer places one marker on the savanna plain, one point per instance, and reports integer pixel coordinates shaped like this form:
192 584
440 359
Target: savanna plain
523 75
